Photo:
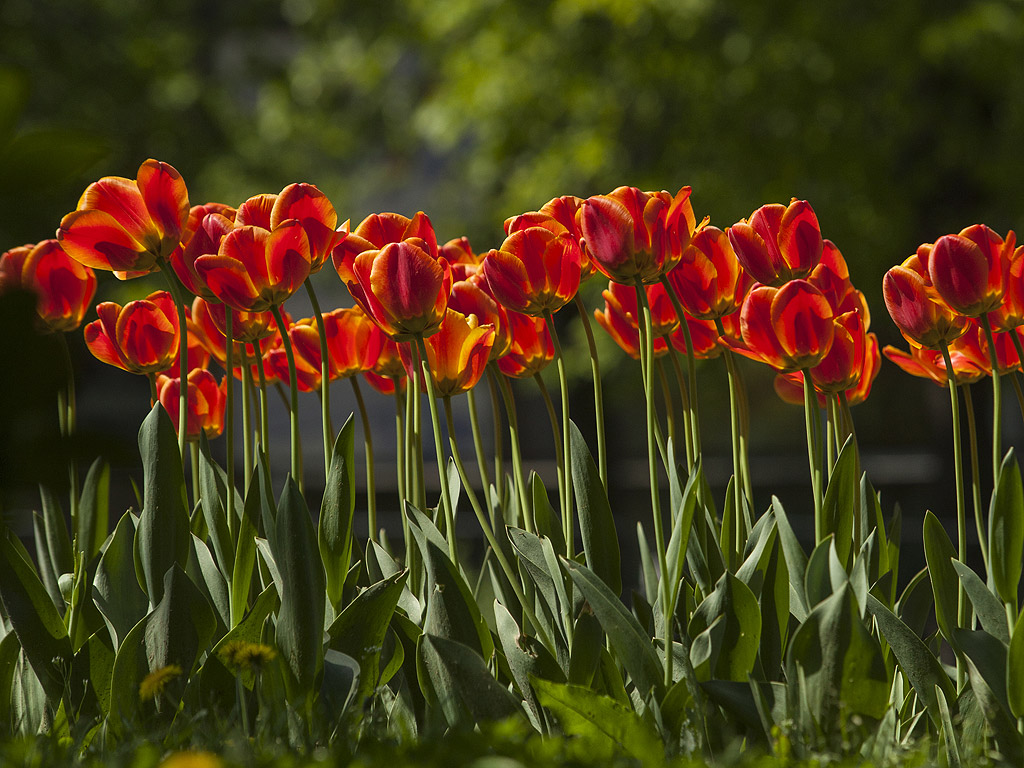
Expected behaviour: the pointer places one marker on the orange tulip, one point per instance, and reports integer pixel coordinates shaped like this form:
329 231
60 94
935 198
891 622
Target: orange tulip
621 317
457 354
1010 314
354 342
778 243
841 368
973 345
708 279
141 337
389 371
315 214
704 337
970 270
789 328
535 271
128 226
632 235
471 296
922 316
208 230
532 348
928 363
205 402
63 287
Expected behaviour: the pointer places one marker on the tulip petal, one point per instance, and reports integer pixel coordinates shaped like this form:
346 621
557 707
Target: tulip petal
94 238
122 200
165 197
799 238
228 279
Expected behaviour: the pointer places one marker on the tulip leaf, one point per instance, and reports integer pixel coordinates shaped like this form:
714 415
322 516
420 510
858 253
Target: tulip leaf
180 627
948 733
213 484
526 656
163 534
45 568
35 620
818 579
796 561
1006 530
462 686
922 668
989 610
939 554
203 570
130 667
604 726
217 679
10 649
58 545
116 589
682 525
731 619
1015 669
245 550
545 518
530 548
633 646
838 505
993 702
597 525
587 644
94 510
334 533
300 622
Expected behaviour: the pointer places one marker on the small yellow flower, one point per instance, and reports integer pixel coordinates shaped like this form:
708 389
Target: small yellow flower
153 684
189 759
242 655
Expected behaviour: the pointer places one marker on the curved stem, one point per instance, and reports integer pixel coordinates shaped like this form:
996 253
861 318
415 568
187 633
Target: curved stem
556 433
647 360
478 448
691 366
371 488
294 402
813 453
488 530
229 420
595 372
400 442
563 387
502 384
179 301
997 401
846 418
972 439
446 497
325 369
153 397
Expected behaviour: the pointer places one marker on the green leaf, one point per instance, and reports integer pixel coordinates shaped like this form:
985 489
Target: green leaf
163 535
116 589
10 649
213 484
840 661
464 688
597 525
948 732
203 570
545 518
989 610
217 681
300 622
682 525
838 504
532 560
632 644
35 620
726 628
181 626
939 554
1014 669
922 668
605 726
796 561
94 510
818 579
587 644
993 703
527 657
1006 530
58 545
245 550
130 667
334 533
360 629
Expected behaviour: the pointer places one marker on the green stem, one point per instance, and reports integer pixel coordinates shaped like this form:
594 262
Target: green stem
691 365
556 432
153 397
502 384
294 403
831 434
325 369
488 530
371 488
739 489
813 453
229 421
499 442
563 387
68 408
179 300
997 400
647 363
478 448
446 498
400 443
416 449
685 402
846 420
1019 393
666 393
196 491
972 439
248 395
264 404
595 372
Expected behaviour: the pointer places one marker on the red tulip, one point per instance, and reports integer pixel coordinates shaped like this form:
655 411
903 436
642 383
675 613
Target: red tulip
789 328
632 235
204 240
354 342
457 354
535 271
205 402
141 337
778 243
315 214
918 311
532 348
969 270
378 230
928 363
128 226
704 337
832 278
64 287
841 368
973 345
461 258
389 370
471 296
1010 314
621 318
708 278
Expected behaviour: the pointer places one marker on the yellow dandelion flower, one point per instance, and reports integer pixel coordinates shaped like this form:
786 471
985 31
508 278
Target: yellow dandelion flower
243 655
153 684
190 759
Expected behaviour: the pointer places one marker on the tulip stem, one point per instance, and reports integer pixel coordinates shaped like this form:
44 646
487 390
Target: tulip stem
595 372
670 412
264 405
972 439
499 442
229 420
325 370
691 365
294 404
371 488
997 400
685 403
179 301
563 386
400 442
245 371
525 509
446 497
66 412
740 491
860 527
813 453
647 364
831 434
196 490
478 448
153 394
416 459
488 529
556 433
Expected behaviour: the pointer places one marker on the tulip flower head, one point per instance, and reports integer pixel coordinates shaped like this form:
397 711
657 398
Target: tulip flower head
204 240
621 317
789 328
205 400
535 271
128 227
928 364
140 337
456 355
922 316
970 270
354 342
472 296
315 214
778 243
63 287
532 347
708 279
